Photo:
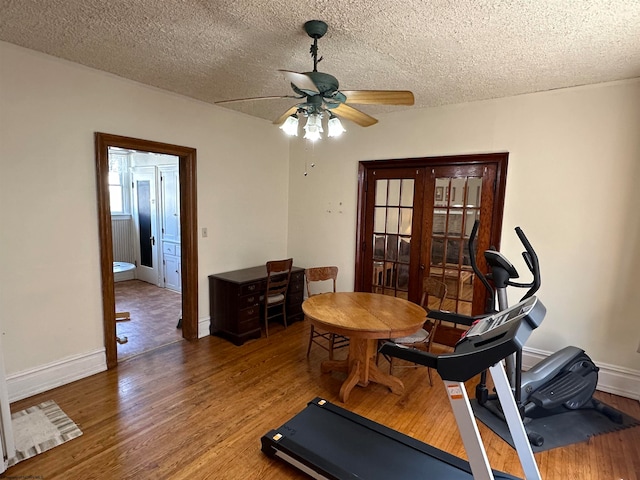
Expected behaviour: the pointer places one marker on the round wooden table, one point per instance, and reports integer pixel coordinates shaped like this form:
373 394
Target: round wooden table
364 318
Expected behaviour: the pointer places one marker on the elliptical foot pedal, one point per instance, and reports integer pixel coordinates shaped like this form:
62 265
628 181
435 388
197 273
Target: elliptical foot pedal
568 389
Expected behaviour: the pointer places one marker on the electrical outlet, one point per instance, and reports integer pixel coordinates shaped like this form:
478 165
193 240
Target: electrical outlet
205 234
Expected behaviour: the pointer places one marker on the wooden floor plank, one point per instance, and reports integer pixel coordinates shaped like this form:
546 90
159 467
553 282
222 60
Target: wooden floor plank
197 410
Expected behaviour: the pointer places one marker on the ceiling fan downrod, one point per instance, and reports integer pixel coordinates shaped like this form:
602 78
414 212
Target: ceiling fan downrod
315 29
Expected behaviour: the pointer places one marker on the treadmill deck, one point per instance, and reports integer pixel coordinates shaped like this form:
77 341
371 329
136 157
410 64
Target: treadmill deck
338 444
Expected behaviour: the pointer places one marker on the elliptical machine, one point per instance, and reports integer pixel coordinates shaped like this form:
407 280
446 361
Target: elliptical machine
566 379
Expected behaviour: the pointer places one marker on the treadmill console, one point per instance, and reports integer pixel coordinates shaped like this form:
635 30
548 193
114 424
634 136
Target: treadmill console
519 311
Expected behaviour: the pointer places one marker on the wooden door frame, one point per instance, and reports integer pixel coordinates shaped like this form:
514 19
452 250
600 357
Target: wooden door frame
188 233
365 168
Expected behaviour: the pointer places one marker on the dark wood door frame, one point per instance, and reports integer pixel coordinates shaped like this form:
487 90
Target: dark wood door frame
188 233
366 168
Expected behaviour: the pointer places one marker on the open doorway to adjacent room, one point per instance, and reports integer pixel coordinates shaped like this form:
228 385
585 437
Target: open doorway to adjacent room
147 225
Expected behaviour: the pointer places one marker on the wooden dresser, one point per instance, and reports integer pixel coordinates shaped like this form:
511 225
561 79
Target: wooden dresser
235 306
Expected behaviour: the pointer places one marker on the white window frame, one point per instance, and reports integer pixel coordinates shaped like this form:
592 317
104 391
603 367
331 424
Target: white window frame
125 182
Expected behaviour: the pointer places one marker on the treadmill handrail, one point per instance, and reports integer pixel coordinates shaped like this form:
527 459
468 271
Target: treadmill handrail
454 317
475 353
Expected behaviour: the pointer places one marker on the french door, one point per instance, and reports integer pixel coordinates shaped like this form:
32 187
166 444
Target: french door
414 221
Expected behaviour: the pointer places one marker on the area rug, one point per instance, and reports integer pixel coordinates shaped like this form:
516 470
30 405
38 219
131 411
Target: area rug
559 427
40 428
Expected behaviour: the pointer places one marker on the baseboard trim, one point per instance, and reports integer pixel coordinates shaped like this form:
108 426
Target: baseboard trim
621 381
45 377
613 379
203 327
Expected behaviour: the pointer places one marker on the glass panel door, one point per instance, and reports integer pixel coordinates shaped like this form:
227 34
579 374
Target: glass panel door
456 206
414 221
392 233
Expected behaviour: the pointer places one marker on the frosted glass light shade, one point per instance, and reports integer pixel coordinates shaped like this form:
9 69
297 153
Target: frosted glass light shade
335 127
290 126
313 128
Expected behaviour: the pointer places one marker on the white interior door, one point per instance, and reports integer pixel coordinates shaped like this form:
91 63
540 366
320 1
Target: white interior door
170 203
145 213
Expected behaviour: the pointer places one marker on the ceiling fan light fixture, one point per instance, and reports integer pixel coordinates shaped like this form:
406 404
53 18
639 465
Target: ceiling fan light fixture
313 127
335 127
290 126
319 94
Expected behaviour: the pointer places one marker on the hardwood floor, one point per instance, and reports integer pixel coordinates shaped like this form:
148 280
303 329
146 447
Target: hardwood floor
154 315
197 410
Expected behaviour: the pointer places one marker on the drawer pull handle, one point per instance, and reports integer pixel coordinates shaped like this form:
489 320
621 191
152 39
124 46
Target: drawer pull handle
251 311
250 299
251 287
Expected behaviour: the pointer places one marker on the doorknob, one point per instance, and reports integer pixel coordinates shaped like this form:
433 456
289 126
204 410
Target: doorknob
422 267
153 240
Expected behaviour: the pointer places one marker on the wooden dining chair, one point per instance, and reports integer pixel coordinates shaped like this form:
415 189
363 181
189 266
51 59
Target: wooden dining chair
433 294
327 340
275 295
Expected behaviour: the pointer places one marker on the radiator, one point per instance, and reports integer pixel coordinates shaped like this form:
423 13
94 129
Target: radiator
122 235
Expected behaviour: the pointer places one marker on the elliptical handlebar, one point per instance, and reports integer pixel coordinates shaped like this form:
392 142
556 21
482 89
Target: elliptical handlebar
474 264
530 258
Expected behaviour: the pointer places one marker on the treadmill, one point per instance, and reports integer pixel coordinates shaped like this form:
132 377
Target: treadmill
328 442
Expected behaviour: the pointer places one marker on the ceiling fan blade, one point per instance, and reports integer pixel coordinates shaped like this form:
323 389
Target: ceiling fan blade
286 114
301 81
355 115
379 97
255 98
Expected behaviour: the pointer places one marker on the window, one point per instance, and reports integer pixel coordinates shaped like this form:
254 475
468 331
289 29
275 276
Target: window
118 193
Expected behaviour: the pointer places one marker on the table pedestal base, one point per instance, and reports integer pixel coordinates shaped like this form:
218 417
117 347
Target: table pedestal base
361 368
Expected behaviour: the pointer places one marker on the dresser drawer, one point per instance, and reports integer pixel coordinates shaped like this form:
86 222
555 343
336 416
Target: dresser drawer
248 319
249 313
251 288
294 298
296 284
294 311
169 248
249 301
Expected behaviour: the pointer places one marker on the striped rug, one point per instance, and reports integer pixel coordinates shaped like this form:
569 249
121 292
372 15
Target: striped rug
40 428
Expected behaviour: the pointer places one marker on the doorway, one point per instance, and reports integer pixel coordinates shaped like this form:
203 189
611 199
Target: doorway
414 221
188 227
145 220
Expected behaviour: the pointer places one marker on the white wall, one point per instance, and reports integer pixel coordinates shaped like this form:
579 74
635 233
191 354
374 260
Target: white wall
572 181
50 293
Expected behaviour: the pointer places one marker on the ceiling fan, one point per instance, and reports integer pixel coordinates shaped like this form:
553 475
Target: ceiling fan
320 93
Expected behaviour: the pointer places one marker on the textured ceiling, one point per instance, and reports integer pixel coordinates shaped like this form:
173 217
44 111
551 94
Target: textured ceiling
444 51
